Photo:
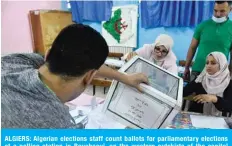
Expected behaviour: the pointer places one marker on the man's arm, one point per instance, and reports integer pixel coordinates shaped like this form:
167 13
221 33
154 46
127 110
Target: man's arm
230 66
193 47
132 79
191 52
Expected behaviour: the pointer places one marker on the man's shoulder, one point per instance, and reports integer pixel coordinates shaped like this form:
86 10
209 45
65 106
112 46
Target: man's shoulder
14 63
23 58
23 55
33 111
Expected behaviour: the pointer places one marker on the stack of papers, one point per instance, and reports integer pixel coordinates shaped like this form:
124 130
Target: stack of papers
208 122
114 62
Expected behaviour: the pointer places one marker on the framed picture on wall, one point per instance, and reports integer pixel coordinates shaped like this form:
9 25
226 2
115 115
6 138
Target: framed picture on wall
121 29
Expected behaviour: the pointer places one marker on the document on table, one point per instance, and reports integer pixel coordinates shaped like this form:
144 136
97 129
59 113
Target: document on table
114 62
139 107
208 122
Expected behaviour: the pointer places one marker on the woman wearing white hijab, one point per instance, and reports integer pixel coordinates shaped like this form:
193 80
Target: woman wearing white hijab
159 53
213 87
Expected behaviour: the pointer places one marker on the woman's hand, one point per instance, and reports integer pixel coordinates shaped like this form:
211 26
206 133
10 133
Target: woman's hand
202 98
130 55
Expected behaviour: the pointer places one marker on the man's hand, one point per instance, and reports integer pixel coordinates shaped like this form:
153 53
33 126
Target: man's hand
186 75
130 55
202 98
130 79
135 79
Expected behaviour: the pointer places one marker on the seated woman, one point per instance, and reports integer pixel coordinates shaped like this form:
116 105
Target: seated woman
212 88
159 53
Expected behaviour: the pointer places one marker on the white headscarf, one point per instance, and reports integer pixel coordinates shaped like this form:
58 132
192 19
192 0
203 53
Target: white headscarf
215 84
167 42
169 61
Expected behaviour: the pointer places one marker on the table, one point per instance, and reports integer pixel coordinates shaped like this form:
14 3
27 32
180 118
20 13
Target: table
98 120
183 121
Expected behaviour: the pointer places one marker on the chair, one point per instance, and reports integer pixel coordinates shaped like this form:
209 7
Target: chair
185 99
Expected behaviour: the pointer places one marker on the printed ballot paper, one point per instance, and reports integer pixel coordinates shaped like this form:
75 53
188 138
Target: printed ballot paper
155 107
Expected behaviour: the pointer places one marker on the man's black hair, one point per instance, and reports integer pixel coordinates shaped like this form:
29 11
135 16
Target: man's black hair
221 2
77 49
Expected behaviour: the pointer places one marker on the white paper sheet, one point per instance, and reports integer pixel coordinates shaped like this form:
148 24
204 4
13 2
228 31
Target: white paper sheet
98 120
139 108
208 122
84 100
